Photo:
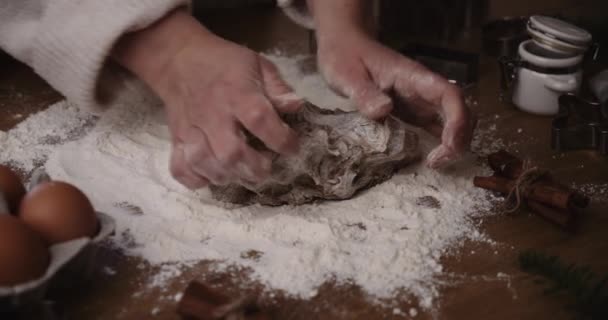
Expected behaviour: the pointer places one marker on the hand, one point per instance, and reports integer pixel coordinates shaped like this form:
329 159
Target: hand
370 74
213 92
365 71
213 89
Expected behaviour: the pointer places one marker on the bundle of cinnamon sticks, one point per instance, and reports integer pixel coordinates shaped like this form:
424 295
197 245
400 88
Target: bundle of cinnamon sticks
544 196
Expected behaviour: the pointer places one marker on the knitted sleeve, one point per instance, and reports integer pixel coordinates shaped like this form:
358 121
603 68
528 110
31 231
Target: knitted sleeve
67 42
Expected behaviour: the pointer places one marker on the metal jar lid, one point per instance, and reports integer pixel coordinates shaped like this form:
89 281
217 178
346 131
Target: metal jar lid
558 35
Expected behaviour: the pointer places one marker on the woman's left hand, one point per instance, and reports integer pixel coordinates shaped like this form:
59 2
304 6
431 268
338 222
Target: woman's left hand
379 80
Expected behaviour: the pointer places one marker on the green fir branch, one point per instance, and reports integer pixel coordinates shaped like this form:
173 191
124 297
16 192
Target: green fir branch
590 291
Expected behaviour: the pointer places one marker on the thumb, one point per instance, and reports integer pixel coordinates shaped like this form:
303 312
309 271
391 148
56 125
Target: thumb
277 90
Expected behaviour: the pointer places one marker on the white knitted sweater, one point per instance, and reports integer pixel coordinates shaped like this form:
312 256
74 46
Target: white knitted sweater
67 42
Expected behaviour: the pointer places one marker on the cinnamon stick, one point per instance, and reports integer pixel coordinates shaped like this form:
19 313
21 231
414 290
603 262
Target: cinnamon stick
493 183
545 193
505 164
509 166
564 219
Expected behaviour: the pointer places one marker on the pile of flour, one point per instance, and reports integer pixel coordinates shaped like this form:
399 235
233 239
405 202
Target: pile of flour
386 239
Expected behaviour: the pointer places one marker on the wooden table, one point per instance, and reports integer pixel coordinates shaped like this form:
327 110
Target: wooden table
475 291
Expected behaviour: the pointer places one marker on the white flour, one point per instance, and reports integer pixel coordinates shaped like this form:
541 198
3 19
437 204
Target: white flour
30 143
383 240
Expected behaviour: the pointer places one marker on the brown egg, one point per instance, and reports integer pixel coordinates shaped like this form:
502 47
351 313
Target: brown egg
59 212
11 187
23 254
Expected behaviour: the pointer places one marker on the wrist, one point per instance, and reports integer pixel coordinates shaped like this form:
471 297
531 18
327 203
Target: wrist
338 18
148 52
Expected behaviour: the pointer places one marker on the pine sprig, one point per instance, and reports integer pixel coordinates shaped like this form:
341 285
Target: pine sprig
590 291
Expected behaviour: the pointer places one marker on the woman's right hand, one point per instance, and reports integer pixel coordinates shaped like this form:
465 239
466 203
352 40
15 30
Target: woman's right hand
213 90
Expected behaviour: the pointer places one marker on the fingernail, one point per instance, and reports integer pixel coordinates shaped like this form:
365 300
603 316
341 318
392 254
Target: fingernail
378 107
290 102
440 157
289 97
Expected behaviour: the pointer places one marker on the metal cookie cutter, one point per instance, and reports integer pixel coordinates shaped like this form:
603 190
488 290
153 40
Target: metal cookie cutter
579 125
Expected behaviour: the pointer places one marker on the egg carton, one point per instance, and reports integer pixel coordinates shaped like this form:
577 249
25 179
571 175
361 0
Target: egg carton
35 290
82 266
71 262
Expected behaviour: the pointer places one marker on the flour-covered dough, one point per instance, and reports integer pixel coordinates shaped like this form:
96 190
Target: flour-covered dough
340 154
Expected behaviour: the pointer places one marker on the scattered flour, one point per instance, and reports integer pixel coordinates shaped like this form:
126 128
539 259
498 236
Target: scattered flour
29 143
384 240
155 311
486 140
109 271
597 192
413 312
178 296
166 271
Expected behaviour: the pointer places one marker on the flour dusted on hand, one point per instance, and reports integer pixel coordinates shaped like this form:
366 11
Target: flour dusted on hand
340 153
386 239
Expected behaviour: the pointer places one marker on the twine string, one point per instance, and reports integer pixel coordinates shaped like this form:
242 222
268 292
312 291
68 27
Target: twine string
530 175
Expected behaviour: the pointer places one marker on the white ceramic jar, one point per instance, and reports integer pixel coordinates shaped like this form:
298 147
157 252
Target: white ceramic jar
548 65
544 77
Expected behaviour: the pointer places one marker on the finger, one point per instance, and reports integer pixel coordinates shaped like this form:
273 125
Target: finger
457 130
458 127
201 160
357 85
258 116
277 90
446 99
415 82
287 103
181 171
232 151
441 156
